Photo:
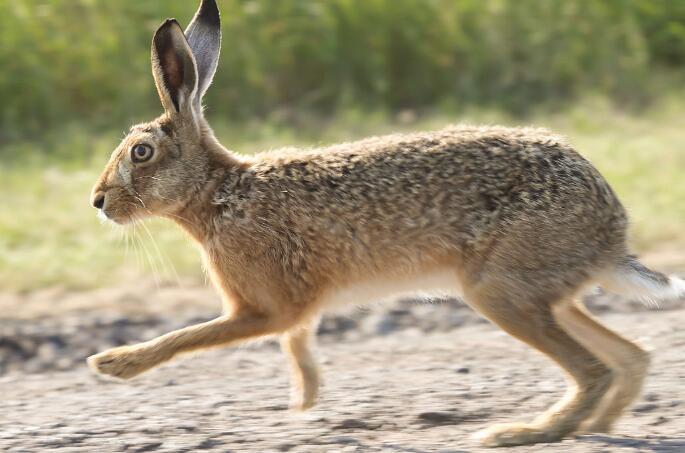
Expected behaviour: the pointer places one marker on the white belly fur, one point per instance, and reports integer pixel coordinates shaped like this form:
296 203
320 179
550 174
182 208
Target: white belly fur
441 282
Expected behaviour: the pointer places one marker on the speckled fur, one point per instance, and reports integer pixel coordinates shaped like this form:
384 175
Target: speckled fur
514 219
403 202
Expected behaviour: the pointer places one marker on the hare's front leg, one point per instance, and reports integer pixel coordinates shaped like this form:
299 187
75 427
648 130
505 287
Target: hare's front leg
128 361
296 343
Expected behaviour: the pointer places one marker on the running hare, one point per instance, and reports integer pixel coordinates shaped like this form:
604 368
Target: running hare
513 220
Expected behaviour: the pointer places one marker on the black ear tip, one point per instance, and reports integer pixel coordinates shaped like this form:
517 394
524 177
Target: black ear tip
166 24
209 12
170 22
166 27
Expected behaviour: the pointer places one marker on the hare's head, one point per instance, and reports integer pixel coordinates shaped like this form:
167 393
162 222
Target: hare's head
162 164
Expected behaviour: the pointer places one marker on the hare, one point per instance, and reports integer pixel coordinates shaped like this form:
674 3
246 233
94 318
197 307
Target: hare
513 220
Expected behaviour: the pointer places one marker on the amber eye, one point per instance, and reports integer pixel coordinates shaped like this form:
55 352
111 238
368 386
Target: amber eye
141 153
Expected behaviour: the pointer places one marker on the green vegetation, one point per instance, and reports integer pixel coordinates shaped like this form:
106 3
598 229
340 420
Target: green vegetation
88 61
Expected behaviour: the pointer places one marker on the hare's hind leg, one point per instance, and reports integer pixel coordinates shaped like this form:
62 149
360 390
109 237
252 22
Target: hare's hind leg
628 361
535 324
296 343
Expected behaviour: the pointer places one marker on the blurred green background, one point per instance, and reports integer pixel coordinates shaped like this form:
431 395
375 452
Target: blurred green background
609 74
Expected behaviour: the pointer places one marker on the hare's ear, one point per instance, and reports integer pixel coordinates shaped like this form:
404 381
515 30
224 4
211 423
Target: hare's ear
174 68
204 38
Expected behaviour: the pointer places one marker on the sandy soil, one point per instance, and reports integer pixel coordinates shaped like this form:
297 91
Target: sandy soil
399 378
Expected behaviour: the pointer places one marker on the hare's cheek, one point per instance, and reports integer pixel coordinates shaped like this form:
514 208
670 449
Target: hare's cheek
125 173
145 183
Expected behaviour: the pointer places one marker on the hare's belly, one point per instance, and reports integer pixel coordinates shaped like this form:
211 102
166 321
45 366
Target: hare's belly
437 282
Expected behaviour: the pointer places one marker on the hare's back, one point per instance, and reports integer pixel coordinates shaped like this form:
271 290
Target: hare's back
460 180
393 199
464 170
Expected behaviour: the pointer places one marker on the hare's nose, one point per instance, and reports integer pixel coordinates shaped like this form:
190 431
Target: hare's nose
99 200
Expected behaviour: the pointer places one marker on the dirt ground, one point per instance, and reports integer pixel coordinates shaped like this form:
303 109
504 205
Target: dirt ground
403 377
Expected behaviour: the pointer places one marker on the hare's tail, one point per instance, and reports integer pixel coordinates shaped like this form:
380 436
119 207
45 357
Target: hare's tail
633 279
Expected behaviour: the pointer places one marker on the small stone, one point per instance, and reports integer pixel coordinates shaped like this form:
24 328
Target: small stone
645 407
208 444
151 429
659 421
436 417
188 426
145 446
354 423
342 440
651 396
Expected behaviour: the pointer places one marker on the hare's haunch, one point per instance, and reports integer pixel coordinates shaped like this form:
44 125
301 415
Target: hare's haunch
513 220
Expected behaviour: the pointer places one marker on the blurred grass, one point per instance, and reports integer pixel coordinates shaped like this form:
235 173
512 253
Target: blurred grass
50 236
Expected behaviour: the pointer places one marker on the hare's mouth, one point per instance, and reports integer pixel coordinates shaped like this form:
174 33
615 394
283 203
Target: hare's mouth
115 217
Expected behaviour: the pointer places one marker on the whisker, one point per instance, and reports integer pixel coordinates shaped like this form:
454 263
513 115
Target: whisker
185 219
134 246
151 262
137 195
165 261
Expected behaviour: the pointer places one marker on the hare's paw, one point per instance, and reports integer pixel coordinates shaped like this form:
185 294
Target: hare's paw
305 393
511 434
302 401
596 425
306 402
123 362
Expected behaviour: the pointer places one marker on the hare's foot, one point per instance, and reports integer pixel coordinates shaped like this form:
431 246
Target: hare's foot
306 391
296 343
305 397
511 434
123 362
597 426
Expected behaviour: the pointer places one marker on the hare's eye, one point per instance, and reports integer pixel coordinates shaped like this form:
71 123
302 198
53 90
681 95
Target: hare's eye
141 153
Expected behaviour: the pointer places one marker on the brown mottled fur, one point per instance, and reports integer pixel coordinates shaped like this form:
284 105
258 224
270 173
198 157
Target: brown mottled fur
513 219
